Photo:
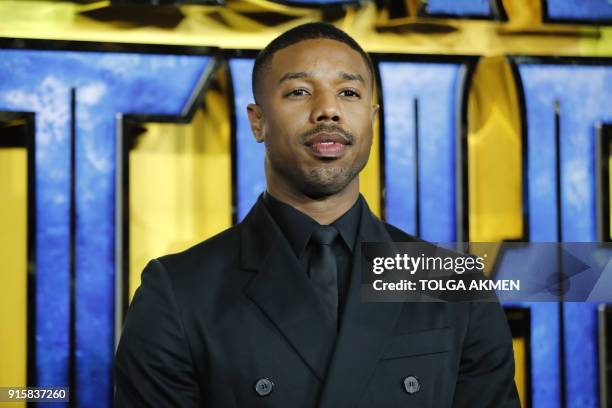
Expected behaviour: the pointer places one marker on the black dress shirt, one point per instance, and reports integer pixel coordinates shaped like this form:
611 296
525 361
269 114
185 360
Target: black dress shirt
298 227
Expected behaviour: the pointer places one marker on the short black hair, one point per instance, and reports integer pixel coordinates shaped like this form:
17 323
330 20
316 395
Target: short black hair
308 31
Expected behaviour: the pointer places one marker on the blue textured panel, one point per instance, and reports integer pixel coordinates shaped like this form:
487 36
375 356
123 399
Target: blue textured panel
251 178
596 10
50 99
106 84
459 7
584 93
435 86
545 365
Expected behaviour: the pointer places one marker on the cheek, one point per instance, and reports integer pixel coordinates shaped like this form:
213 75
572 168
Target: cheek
359 117
278 139
285 132
365 130
366 134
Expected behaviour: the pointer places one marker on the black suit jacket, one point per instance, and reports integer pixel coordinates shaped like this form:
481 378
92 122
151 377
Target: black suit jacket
208 323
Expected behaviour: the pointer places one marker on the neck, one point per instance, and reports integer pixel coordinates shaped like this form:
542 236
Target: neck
324 210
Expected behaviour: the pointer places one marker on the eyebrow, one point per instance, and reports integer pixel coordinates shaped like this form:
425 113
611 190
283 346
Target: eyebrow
292 75
352 77
301 75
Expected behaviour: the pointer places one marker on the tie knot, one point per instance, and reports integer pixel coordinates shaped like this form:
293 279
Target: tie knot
325 235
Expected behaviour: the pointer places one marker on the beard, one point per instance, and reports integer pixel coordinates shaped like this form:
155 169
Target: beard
320 182
328 181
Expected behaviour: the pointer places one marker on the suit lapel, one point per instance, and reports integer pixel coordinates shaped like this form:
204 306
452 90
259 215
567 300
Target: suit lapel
365 329
283 292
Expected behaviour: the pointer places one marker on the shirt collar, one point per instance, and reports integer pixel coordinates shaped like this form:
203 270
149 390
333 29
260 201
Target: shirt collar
298 227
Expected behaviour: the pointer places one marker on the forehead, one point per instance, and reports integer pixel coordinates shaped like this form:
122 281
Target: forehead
318 57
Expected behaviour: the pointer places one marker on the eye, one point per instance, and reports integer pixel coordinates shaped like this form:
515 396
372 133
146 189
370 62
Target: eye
351 93
298 92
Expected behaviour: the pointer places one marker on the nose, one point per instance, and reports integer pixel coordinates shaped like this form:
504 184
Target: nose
326 109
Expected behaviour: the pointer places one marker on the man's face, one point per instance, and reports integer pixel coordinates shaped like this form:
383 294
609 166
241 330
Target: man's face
315 116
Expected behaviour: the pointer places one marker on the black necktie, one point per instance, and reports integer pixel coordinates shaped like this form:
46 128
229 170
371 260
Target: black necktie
324 268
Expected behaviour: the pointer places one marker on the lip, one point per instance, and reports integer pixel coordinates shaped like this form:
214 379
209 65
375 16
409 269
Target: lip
327 145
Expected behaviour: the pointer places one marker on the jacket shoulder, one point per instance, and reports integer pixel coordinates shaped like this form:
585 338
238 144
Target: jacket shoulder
398 235
219 249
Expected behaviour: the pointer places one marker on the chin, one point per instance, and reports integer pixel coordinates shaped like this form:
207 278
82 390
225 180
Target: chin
322 183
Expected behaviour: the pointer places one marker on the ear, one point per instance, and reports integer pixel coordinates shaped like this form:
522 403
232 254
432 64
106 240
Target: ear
375 110
256 118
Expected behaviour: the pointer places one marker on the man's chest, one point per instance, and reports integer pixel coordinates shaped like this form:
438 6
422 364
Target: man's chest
250 361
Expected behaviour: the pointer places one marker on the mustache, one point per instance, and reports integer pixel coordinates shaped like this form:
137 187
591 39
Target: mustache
326 128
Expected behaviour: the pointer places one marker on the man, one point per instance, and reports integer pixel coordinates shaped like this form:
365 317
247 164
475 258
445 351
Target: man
269 313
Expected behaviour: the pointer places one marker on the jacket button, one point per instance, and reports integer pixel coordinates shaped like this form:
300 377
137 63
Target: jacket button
263 387
411 384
